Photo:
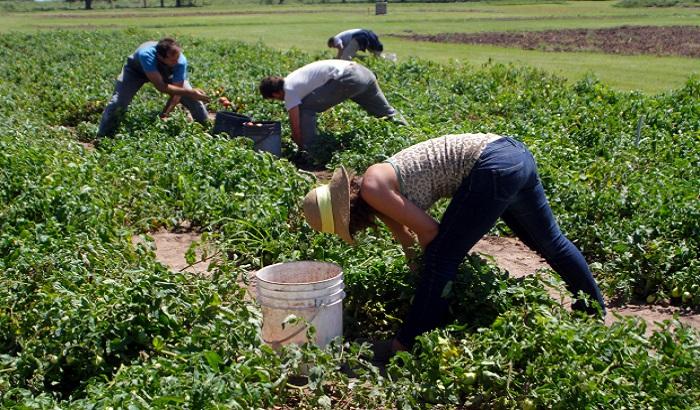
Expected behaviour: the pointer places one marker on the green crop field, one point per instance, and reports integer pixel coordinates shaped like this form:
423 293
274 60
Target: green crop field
307 26
90 319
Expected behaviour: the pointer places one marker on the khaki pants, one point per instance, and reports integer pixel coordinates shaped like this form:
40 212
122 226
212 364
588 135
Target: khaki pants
349 51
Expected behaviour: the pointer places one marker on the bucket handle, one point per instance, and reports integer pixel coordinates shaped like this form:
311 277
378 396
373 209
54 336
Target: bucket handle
303 328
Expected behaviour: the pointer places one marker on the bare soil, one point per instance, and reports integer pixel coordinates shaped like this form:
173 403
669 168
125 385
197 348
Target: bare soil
89 146
628 40
170 250
513 256
508 253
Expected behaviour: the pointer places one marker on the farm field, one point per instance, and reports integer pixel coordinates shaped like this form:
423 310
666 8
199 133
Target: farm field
307 26
90 319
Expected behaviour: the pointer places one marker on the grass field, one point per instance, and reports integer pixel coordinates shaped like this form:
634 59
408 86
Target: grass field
307 26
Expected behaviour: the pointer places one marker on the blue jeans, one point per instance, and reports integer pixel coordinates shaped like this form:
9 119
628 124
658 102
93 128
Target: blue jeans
503 183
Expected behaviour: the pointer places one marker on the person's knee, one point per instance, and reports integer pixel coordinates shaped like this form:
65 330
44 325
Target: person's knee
117 102
440 264
558 249
199 114
114 112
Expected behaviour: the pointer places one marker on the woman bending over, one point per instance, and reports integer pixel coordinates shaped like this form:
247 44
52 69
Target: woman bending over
487 177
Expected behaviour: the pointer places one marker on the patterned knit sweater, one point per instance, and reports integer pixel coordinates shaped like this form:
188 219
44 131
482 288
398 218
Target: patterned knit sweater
435 168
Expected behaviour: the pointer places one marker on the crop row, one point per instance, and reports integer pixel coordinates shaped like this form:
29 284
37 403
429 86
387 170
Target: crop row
88 318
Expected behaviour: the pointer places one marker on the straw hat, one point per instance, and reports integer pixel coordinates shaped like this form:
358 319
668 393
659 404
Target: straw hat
327 207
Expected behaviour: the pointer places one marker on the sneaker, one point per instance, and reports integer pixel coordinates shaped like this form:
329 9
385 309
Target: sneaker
398 118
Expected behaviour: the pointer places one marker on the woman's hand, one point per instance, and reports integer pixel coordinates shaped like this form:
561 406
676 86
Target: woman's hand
427 235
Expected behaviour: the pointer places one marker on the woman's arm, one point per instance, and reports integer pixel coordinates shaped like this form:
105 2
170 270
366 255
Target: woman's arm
295 125
380 189
402 234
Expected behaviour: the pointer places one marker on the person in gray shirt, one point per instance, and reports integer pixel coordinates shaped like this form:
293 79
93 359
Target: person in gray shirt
318 86
349 42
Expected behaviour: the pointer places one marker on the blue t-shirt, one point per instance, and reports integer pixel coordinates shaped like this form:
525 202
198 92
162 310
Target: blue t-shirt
146 55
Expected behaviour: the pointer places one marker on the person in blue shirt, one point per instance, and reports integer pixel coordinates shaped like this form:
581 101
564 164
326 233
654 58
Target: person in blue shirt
165 66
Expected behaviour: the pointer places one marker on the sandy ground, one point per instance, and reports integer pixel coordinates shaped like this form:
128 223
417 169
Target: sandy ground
510 254
170 249
513 256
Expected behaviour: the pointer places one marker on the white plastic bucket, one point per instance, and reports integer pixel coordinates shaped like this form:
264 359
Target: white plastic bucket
309 290
389 56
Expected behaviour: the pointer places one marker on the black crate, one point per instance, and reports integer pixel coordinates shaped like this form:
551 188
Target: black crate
226 120
266 135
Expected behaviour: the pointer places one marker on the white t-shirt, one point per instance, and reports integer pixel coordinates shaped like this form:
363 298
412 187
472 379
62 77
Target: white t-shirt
302 81
342 39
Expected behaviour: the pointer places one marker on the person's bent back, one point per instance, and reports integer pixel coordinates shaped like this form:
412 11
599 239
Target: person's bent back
164 65
316 87
349 42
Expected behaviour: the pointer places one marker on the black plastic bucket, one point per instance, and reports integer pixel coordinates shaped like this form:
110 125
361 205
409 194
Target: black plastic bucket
225 120
266 135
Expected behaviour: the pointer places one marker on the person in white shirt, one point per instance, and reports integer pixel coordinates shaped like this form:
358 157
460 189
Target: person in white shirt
349 42
318 86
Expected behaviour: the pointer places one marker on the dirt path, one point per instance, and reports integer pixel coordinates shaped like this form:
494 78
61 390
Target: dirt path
513 256
170 250
508 253
628 40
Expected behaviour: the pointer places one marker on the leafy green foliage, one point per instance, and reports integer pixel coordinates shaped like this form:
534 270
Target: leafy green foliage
535 353
88 318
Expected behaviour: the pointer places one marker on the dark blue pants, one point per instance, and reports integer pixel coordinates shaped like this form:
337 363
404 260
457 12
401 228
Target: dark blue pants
503 183
358 84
